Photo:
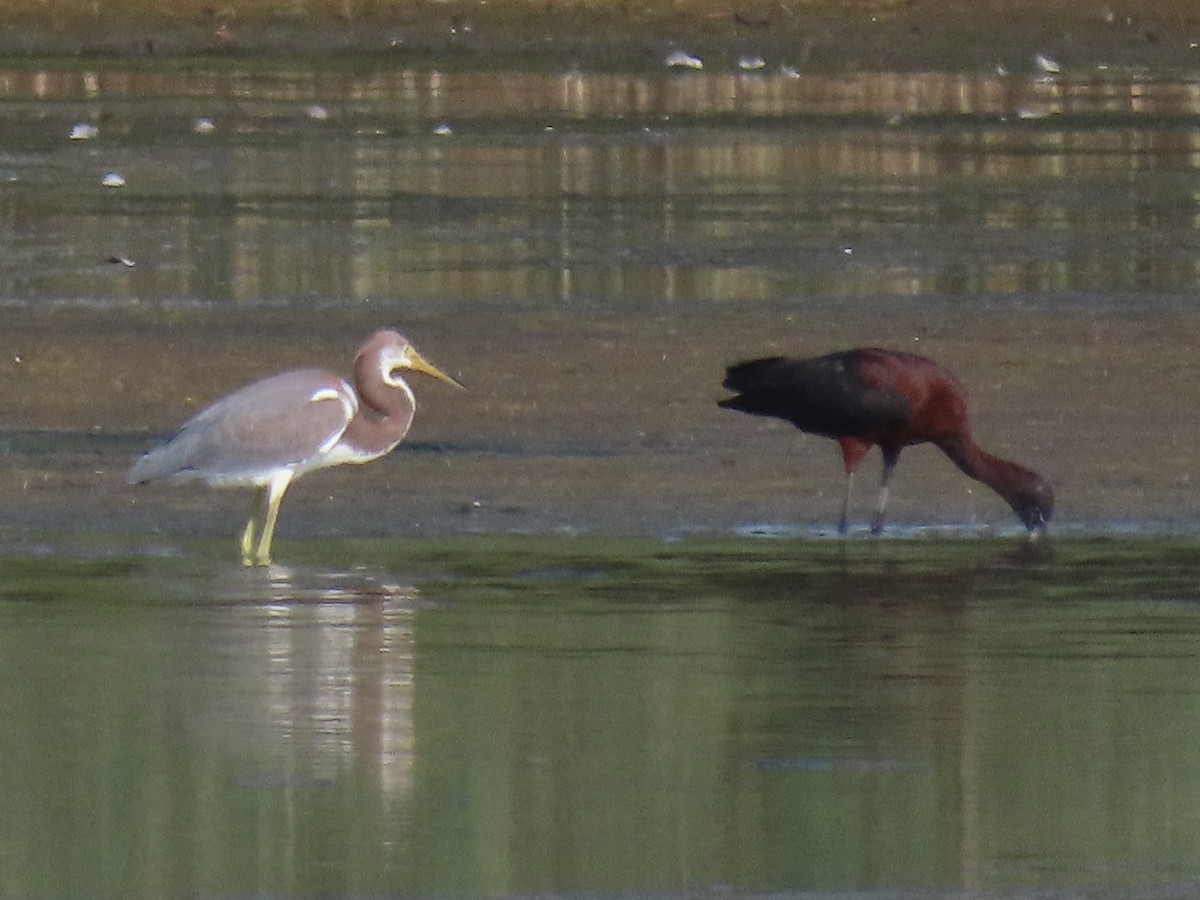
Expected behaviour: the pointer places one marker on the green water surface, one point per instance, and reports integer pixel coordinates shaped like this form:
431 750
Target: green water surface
563 716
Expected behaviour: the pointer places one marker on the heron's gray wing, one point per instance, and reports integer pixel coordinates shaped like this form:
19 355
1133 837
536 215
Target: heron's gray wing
287 420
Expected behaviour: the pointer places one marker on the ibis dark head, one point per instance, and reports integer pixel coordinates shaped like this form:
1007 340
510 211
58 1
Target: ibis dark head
1032 499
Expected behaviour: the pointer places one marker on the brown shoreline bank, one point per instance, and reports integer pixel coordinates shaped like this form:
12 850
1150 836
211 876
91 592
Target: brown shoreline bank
917 34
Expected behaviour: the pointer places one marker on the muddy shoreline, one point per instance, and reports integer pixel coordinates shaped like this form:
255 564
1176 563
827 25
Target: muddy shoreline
603 426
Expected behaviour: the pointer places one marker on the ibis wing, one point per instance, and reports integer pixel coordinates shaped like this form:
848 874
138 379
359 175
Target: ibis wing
286 421
825 395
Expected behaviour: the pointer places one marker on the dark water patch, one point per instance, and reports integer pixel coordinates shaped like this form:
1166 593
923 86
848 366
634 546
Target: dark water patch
224 582
855 766
275 781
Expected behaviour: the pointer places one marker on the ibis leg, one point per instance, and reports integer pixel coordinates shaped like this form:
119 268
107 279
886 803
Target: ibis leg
853 450
890 458
843 526
274 491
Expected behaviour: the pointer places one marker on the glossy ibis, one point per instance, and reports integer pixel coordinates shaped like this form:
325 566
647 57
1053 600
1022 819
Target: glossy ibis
866 397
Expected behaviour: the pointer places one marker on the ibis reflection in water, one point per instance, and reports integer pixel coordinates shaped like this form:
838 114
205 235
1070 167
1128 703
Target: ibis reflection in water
270 432
867 397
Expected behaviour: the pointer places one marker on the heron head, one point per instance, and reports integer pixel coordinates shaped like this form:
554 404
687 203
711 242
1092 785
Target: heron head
394 354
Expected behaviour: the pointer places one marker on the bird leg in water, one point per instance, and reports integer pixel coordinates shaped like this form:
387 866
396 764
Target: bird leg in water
890 458
880 509
256 507
843 526
275 491
853 450
264 513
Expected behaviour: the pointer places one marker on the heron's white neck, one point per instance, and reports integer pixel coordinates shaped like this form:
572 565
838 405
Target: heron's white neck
385 409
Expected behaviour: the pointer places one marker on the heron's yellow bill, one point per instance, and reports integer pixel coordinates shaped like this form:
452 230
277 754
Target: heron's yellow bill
418 363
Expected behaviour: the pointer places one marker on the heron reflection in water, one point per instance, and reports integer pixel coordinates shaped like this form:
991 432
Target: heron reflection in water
270 432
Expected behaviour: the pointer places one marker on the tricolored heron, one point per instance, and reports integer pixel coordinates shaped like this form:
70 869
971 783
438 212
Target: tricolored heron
270 432
888 398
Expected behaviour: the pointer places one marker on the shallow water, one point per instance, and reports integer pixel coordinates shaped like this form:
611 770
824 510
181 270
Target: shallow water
517 716
583 632
266 185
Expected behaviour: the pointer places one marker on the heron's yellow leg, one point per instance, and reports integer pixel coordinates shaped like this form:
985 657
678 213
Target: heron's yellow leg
252 524
274 496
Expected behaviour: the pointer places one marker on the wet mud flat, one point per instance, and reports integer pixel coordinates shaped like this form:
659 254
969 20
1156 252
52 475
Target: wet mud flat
602 424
